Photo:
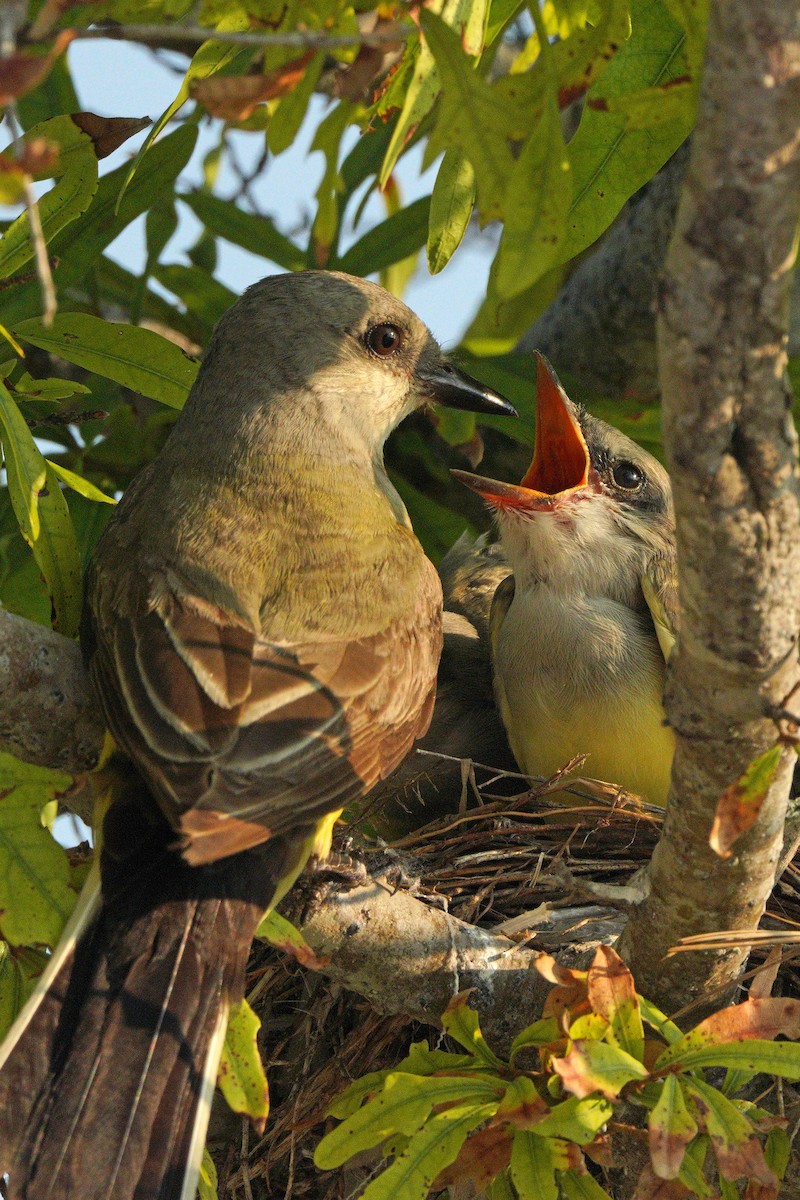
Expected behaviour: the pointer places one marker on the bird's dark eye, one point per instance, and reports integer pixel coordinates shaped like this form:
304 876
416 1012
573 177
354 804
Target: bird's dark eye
384 340
627 475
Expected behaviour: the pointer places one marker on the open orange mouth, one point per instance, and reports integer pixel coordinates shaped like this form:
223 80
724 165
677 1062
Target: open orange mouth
561 462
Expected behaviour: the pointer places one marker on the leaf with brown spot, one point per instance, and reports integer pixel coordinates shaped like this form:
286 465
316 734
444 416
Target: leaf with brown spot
589 1067
740 803
612 995
234 97
752 1020
108 133
738 1151
281 934
671 1128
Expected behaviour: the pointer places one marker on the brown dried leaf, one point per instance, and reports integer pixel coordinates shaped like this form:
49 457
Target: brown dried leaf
650 1187
764 978
483 1155
234 97
610 984
740 803
108 133
743 1160
753 1019
21 72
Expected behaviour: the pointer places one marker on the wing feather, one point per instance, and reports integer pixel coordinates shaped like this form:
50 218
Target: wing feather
242 738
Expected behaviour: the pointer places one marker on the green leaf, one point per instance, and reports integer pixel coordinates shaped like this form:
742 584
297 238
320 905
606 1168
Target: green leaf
537 202
470 117
653 106
241 1077
581 1187
541 1033
204 297
35 893
576 1120
67 199
257 234
399 236
430 1150
78 247
609 161
325 229
42 514
207 1183
402 1106
671 1128
47 389
533 1166
80 485
462 1024
19 970
452 202
692 16
753 1055
136 358
692 1173
285 122
423 81
654 1017
778 1151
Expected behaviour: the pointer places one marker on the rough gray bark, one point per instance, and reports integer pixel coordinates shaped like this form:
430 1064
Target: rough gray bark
48 715
406 957
732 453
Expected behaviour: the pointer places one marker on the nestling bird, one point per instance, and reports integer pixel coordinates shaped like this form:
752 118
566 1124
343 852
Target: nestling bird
580 632
263 630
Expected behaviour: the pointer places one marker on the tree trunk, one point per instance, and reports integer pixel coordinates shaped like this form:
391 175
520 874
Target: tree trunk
732 454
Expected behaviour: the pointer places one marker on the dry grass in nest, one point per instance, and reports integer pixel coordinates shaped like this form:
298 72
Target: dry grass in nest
528 865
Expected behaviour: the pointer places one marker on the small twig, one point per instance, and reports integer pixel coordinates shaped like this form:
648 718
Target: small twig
303 39
43 271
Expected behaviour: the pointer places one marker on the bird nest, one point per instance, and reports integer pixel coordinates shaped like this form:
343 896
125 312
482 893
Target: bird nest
547 864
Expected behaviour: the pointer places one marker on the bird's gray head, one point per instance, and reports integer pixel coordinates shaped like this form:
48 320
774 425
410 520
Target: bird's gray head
347 353
593 506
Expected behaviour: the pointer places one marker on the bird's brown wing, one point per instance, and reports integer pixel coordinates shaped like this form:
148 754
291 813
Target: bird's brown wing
242 739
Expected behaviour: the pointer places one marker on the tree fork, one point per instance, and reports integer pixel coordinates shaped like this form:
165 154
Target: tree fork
732 454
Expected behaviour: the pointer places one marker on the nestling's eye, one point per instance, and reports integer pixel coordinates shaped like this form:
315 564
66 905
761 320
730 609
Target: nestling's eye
384 340
627 475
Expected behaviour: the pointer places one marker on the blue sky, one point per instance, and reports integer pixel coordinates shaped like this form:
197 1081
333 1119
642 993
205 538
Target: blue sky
126 80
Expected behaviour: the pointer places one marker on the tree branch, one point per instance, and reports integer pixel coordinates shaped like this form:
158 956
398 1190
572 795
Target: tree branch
406 957
732 453
48 715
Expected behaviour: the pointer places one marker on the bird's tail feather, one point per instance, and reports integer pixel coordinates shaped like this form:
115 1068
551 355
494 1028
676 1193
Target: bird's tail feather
119 1102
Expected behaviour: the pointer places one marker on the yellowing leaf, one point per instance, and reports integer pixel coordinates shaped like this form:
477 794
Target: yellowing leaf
740 804
241 1075
533 1166
597 1067
207 1183
282 934
612 994
670 1129
78 484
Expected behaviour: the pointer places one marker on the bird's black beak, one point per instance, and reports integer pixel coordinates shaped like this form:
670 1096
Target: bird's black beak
446 384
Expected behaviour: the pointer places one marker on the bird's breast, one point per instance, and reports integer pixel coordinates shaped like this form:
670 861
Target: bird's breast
584 675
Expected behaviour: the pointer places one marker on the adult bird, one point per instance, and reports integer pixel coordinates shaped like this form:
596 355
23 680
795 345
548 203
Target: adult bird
581 630
263 631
